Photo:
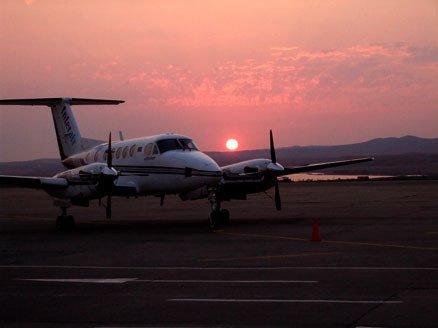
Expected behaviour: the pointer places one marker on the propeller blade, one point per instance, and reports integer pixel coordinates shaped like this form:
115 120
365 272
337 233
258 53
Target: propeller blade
110 175
108 206
271 142
274 166
277 197
110 153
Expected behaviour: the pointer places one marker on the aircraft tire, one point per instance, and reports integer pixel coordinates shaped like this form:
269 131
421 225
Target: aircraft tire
214 220
225 216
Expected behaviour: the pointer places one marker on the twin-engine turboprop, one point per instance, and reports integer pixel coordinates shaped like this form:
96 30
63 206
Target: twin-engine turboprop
156 165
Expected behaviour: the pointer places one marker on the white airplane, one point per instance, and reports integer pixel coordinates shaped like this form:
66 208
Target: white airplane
155 165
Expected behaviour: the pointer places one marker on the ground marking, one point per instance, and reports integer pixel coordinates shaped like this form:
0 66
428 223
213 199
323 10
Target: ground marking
93 281
369 327
237 300
234 281
186 268
166 281
265 257
333 241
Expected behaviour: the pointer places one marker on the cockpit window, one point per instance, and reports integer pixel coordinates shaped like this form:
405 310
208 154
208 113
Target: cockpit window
168 144
188 144
175 144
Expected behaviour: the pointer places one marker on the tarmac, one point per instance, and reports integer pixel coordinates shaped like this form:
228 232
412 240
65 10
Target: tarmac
150 266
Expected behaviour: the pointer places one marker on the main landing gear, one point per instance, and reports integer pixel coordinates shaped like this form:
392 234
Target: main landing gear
218 217
64 222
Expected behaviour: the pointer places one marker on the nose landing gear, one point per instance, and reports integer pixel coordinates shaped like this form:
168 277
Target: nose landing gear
218 217
64 222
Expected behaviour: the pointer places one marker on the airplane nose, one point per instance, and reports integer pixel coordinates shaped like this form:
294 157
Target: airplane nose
205 165
210 168
211 165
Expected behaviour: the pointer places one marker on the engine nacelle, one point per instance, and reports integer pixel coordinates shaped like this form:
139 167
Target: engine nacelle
84 183
84 173
251 166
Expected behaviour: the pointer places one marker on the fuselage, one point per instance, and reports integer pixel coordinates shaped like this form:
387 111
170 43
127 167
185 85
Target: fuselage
161 164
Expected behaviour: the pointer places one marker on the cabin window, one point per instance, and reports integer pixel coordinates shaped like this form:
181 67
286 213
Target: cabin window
132 150
148 149
125 151
155 152
96 156
105 154
118 152
139 149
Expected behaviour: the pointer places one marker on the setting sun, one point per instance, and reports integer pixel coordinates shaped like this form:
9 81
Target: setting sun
232 144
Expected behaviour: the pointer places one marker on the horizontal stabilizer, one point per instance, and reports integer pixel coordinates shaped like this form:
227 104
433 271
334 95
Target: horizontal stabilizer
53 101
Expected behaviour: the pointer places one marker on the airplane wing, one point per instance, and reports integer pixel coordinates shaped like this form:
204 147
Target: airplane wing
320 166
120 188
33 182
258 175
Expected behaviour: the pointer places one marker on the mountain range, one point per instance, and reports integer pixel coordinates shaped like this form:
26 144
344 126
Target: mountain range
393 156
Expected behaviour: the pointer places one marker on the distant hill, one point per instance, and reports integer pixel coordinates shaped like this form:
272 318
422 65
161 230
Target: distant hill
376 147
394 156
37 167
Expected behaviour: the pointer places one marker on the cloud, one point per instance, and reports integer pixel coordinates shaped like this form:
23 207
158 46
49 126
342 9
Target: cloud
357 78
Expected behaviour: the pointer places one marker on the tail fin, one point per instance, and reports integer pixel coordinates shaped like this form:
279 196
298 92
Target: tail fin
68 136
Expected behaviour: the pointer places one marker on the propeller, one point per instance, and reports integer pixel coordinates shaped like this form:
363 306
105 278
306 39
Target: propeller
275 167
109 159
271 144
109 164
109 174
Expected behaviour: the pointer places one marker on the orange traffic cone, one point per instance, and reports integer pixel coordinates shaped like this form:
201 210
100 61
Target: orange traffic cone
315 231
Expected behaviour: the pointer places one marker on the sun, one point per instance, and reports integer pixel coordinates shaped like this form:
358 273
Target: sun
232 144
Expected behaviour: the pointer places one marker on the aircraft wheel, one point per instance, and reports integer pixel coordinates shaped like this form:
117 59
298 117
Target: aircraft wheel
225 216
214 220
65 223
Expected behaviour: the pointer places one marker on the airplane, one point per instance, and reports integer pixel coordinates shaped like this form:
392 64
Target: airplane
155 165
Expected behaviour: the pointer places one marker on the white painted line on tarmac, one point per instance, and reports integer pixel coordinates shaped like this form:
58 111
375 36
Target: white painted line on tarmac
237 300
233 281
167 281
93 281
188 268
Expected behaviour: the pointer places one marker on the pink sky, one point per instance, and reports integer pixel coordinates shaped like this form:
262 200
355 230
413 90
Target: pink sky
316 72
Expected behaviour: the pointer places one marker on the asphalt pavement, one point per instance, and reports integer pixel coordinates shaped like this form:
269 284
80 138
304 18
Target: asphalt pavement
375 266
